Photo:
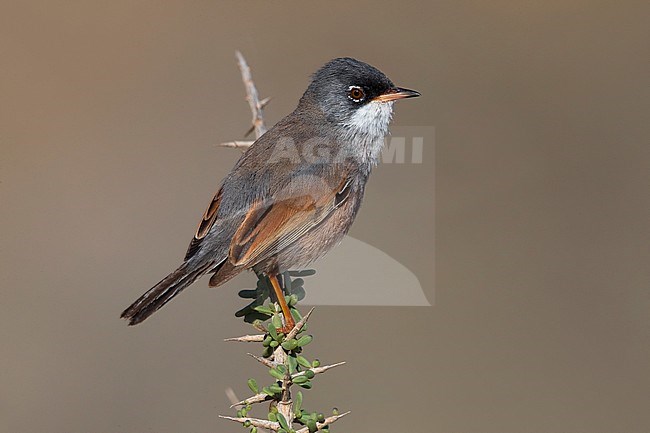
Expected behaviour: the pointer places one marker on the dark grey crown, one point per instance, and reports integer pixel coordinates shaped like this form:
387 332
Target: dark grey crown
330 86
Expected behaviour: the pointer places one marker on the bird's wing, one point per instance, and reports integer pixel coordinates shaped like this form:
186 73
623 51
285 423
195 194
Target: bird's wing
272 226
209 217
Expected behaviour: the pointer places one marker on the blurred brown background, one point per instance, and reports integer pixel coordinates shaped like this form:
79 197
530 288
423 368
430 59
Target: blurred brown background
108 119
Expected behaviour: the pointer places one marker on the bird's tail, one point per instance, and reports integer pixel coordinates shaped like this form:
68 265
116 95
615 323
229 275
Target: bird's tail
164 291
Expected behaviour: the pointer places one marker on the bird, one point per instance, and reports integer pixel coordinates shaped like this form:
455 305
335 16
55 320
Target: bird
294 193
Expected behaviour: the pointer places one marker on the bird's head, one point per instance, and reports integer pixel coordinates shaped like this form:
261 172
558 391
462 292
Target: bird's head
355 95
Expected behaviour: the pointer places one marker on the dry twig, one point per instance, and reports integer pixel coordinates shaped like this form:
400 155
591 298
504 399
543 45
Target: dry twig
266 362
237 144
319 370
321 425
298 326
255 104
247 338
262 423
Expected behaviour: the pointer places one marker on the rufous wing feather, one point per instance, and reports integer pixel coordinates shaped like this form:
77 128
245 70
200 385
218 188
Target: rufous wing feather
270 227
266 226
209 217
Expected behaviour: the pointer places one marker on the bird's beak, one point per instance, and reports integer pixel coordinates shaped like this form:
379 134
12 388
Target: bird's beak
397 93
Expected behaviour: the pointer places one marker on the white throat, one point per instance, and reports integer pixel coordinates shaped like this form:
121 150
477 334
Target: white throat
368 127
372 119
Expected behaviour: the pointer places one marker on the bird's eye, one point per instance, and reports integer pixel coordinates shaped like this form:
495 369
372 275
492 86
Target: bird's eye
356 93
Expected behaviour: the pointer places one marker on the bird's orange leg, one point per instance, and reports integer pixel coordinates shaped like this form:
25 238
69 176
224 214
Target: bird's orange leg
289 323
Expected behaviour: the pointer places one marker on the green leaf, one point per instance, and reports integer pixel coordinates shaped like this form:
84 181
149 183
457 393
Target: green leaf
303 361
299 380
311 425
273 332
283 421
276 321
263 309
275 389
305 340
293 364
290 344
297 403
297 316
252 384
306 385
275 373
309 374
